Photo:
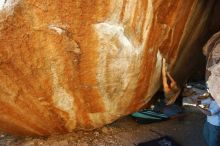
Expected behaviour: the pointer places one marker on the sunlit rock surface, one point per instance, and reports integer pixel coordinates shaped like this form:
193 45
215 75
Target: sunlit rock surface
80 64
212 52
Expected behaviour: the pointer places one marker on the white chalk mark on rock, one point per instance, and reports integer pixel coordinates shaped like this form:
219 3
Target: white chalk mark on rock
56 28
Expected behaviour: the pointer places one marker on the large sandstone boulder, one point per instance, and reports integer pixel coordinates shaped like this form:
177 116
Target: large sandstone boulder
80 64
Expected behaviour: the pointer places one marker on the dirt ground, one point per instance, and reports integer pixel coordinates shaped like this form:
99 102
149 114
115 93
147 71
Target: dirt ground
125 132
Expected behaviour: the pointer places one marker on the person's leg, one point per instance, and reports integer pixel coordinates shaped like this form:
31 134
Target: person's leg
214 136
206 132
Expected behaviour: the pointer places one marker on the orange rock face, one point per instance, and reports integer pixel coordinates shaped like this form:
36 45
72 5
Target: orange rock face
80 64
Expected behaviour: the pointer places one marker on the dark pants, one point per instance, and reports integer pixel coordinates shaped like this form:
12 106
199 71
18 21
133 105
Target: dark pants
211 134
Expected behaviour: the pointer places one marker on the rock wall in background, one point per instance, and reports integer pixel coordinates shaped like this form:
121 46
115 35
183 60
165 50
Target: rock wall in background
80 64
212 52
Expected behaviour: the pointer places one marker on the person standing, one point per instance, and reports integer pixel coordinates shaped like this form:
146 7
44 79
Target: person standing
211 130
